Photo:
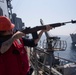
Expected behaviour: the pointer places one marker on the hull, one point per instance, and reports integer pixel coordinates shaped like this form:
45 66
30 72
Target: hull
73 38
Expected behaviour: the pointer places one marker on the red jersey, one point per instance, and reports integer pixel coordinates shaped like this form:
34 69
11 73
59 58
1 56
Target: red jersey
15 60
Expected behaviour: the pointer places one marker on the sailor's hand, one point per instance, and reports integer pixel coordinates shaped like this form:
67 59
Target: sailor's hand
18 35
48 27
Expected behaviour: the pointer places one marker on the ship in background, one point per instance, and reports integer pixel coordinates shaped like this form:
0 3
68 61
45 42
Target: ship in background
73 37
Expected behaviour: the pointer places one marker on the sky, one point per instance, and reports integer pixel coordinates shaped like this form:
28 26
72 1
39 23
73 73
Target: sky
51 11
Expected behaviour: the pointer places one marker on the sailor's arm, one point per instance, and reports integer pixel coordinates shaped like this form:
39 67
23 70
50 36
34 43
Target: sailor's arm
7 44
48 27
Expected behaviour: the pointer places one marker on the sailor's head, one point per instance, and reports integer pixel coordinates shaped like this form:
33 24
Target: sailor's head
5 24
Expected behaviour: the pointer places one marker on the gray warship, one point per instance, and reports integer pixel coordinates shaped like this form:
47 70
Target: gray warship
73 37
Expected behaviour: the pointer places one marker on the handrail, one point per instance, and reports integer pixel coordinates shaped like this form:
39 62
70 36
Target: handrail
38 65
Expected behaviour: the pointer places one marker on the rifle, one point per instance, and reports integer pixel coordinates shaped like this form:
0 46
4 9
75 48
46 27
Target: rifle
37 28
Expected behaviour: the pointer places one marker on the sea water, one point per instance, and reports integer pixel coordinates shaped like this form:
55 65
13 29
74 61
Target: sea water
69 53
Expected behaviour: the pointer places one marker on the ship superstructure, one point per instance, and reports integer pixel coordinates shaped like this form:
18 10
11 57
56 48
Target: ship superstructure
4 8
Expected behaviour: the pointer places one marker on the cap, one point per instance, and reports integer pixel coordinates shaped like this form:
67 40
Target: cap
5 24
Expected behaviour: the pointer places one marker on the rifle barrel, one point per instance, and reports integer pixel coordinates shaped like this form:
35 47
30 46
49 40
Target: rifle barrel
72 21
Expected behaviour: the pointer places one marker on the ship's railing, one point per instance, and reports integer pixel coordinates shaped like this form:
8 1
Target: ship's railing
38 63
57 45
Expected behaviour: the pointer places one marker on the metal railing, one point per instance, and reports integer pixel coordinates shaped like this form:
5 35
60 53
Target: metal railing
38 61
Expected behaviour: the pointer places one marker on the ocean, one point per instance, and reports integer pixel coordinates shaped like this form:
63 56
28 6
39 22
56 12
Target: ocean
69 53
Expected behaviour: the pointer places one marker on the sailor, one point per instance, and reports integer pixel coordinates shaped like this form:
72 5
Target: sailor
13 54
